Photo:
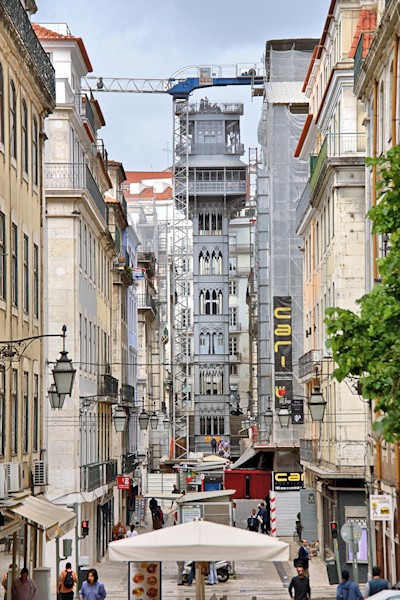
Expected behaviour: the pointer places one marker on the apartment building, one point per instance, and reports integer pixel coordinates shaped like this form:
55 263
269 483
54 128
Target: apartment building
80 254
330 220
376 68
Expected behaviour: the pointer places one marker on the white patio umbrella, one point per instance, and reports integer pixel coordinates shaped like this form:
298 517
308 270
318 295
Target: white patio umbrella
199 541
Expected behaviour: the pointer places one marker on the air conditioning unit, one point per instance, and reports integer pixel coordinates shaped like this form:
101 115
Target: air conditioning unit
3 487
40 472
15 477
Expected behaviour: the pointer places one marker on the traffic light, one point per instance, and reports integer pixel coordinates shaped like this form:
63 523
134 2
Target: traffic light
85 528
334 529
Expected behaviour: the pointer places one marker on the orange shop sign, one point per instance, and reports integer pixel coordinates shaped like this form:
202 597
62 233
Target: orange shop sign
124 482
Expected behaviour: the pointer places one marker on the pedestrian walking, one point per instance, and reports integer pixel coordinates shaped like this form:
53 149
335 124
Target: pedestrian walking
118 531
191 574
234 514
181 566
214 445
66 583
132 532
92 588
300 585
376 584
4 579
212 574
303 557
252 522
263 517
156 514
347 589
24 588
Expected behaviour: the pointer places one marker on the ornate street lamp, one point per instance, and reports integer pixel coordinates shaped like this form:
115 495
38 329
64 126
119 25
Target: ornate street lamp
154 421
120 418
143 420
64 372
166 423
56 400
284 417
317 405
268 417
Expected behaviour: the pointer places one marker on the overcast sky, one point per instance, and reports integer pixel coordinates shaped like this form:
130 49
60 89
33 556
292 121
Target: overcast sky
155 38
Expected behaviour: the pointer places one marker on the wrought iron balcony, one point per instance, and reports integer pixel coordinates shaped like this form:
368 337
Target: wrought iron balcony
97 474
217 187
74 176
127 393
335 146
88 114
107 385
129 463
303 204
100 147
213 149
308 362
14 11
145 301
308 450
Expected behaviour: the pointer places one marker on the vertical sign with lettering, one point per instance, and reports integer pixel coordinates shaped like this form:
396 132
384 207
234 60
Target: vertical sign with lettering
283 351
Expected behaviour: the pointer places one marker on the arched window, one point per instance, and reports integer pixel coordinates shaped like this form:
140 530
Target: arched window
215 303
13 120
216 262
24 132
207 303
1 104
204 263
35 151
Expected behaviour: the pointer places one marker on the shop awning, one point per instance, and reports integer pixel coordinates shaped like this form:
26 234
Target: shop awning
54 520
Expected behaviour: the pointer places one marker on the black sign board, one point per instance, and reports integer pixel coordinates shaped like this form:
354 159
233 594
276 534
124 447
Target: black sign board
288 481
283 351
297 412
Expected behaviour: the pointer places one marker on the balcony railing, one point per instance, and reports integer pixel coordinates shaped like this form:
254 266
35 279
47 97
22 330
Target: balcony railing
302 204
88 114
213 108
217 187
358 57
98 474
336 145
101 149
75 176
308 362
107 385
308 450
19 18
122 201
127 393
146 301
210 148
129 463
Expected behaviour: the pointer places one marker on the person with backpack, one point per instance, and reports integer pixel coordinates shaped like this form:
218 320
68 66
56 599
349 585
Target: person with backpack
66 583
376 584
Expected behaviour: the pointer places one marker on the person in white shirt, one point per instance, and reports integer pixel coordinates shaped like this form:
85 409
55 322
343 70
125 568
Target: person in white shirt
132 532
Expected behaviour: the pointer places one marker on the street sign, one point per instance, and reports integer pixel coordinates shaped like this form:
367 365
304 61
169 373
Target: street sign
381 508
123 482
350 532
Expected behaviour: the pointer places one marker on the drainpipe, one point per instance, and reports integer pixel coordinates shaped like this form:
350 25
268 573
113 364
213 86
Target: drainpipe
394 87
379 528
373 190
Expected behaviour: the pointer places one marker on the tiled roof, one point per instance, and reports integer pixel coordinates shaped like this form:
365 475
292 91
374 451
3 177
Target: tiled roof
45 34
366 25
138 176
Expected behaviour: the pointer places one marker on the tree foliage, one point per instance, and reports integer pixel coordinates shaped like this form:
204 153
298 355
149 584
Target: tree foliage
367 343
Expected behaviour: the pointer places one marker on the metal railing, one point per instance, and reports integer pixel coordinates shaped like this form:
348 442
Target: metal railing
122 201
218 107
217 187
358 57
101 149
308 362
146 301
19 18
336 145
74 176
127 392
303 204
88 114
309 450
129 463
98 474
210 148
107 385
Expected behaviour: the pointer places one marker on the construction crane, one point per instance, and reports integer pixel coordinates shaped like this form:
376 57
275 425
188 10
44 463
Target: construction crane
180 86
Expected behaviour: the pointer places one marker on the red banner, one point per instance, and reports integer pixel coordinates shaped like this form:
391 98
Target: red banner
124 482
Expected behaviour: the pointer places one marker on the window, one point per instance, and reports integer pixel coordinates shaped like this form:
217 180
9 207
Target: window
232 243
25 423
233 316
233 370
232 265
233 346
26 274
35 151
24 132
2 256
14 265
35 440
1 104
14 411
233 288
13 120
2 411
186 317
36 281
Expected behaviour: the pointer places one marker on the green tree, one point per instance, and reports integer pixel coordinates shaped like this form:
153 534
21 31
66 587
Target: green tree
366 344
